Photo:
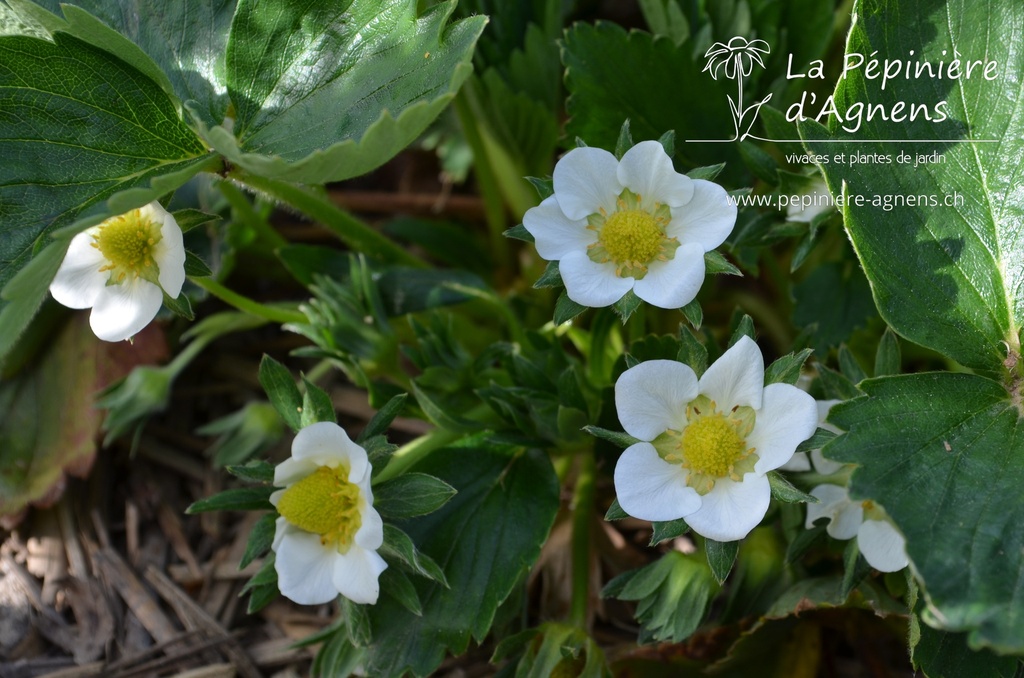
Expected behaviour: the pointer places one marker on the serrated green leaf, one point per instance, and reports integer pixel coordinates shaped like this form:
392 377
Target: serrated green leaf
786 370
316 405
398 546
615 512
783 490
612 74
617 438
253 472
381 76
744 328
721 557
949 277
196 267
934 450
837 386
488 536
410 495
817 441
836 298
550 277
673 594
280 387
667 529
946 655
260 539
381 421
693 313
626 306
180 307
519 232
395 583
715 263
849 366
235 499
186 40
625 140
545 189
566 309
888 360
189 219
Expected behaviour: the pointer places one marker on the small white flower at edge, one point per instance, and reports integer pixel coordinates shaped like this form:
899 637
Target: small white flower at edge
631 224
800 460
707 443
327 537
121 268
814 201
883 546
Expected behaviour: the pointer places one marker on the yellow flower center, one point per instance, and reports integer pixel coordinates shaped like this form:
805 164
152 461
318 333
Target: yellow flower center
127 242
712 445
324 503
632 237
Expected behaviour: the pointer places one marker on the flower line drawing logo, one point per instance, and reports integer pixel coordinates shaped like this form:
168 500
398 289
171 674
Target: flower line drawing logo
736 59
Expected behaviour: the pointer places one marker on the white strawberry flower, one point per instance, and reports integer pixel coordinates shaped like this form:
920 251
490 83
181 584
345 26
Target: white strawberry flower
883 546
631 224
121 269
327 537
708 443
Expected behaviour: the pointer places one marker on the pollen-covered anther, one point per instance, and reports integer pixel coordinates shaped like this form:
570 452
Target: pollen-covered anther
324 503
127 243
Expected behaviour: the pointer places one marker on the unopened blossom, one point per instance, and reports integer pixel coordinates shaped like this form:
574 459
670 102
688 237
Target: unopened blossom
708 443
883 546
630 224
327 537
121 269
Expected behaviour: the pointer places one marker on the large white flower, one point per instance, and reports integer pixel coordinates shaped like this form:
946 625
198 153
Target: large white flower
328 534
121 268
631 224
878 539
708 443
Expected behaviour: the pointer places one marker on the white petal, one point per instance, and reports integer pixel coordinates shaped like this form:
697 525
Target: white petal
305 568
737 378
293 470
169 253
79 281
555 235
673 283
592 284
731 509
370 534
328 445
650 488
707 220
825 467
883 546
844 516
356 573
647 170
584 181
846 519
798 462
652 397
122 311
281 527
787 417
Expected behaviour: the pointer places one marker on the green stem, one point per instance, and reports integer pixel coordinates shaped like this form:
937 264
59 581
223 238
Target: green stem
494 206
243 207
188 354
242 303
412 452
350 230
582 513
